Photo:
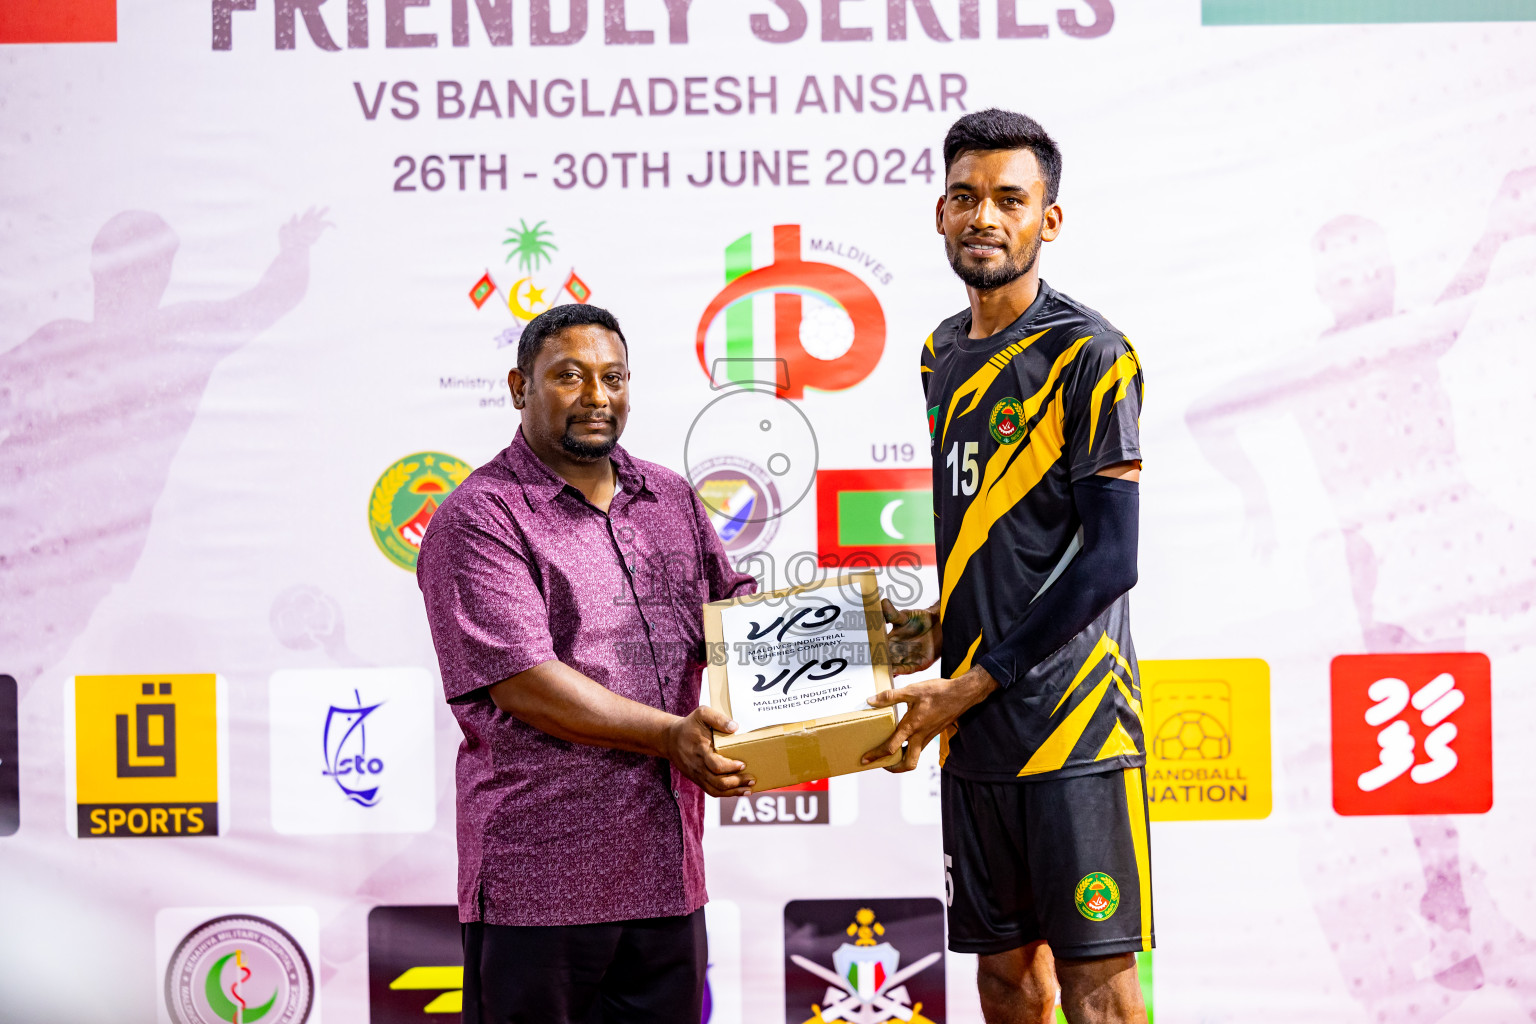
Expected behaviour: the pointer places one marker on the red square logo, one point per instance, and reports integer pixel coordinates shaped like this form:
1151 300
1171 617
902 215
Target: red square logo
1412 734
58 21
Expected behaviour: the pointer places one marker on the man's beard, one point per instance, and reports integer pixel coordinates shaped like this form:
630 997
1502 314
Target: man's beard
587 451
987 277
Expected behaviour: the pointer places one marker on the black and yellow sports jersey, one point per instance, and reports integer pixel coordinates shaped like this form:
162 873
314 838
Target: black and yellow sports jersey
1015 419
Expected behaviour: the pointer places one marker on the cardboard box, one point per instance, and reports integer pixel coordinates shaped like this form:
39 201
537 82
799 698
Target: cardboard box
783 755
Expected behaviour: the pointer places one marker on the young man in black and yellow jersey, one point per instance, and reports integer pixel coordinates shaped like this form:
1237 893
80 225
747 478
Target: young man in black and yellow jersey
1033 404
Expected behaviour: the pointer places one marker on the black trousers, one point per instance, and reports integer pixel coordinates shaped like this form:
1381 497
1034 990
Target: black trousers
649 971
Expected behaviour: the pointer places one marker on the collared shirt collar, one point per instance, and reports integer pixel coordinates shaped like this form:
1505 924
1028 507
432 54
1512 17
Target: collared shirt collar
542 484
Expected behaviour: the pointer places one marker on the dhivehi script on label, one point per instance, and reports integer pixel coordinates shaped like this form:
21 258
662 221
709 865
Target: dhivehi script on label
800 658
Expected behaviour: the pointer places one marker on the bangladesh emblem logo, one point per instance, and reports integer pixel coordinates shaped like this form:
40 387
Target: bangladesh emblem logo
933 424
239 968
1097 896
1007 421
405 498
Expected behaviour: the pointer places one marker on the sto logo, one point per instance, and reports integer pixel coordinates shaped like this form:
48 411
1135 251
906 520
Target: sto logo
1412 734
790 279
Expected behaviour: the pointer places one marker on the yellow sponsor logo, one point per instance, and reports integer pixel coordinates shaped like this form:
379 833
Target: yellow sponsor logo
146 755
1207 734
447 980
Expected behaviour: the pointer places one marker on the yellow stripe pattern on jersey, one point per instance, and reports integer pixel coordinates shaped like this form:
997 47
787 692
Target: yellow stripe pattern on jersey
982 378
1058 746
1118 376
1136 808
1004 485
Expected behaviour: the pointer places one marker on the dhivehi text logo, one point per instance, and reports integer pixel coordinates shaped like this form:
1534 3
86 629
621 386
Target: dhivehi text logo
817 302
404 499
240 968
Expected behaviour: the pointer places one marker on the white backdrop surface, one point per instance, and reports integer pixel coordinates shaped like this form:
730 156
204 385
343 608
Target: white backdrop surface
1335 431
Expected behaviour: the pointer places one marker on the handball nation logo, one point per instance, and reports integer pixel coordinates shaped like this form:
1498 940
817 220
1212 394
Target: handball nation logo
828 307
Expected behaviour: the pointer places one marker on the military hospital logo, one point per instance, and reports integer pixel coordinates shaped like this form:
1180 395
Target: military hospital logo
1412 734
239 968
532 292
871 962
1208 742
352 750
146 755
827 308
404 498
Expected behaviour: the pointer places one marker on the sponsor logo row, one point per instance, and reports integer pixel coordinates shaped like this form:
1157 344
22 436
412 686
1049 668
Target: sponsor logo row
873 960
353 750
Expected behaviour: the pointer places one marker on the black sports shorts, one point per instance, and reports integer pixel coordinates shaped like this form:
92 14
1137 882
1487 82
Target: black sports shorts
1064 860
647 971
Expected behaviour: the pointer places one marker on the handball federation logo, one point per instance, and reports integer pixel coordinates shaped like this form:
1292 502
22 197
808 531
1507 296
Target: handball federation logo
239 968
404 499
842 316
1006 421
741 499
1097 896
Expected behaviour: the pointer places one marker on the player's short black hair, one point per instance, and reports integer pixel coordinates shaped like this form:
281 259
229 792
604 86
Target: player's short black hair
1004 129
552 321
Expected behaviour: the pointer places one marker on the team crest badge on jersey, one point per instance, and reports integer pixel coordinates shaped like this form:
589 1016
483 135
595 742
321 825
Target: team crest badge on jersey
1097 896
933 424
1007 421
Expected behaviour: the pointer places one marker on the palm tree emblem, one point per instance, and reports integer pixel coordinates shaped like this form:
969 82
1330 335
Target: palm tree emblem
530 245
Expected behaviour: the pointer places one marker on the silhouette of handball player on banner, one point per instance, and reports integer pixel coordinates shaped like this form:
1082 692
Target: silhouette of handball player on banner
1424 550
91 415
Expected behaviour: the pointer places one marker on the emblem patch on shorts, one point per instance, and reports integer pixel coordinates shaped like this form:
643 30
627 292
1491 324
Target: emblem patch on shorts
1097 896
1007 421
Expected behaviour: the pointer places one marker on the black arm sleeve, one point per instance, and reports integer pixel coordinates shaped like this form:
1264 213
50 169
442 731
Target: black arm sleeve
1104 569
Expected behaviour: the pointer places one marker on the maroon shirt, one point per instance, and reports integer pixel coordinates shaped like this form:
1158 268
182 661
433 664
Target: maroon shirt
518 568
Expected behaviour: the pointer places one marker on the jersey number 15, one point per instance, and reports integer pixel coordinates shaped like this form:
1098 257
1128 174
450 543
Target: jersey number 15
959 459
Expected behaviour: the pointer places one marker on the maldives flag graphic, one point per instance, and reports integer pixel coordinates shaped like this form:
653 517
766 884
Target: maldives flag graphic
874 514
58 21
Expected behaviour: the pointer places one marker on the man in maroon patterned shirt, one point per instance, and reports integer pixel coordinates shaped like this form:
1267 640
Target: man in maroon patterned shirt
564 583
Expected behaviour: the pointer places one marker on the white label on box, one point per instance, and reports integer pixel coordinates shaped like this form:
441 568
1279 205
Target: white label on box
803 657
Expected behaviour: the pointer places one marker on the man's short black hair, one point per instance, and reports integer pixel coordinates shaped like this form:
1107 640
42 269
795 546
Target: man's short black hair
556 319
1003 129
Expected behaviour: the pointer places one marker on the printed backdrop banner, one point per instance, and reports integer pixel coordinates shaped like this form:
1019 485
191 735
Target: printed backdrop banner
263 271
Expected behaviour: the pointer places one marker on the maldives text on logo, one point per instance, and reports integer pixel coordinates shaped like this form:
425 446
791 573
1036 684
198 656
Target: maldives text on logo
146 755
404 498
238 965
872 516
844 326
1208 748
352 751
876 961
1412 734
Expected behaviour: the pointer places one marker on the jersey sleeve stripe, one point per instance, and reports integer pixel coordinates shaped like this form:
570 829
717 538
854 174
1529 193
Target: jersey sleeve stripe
1118 376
